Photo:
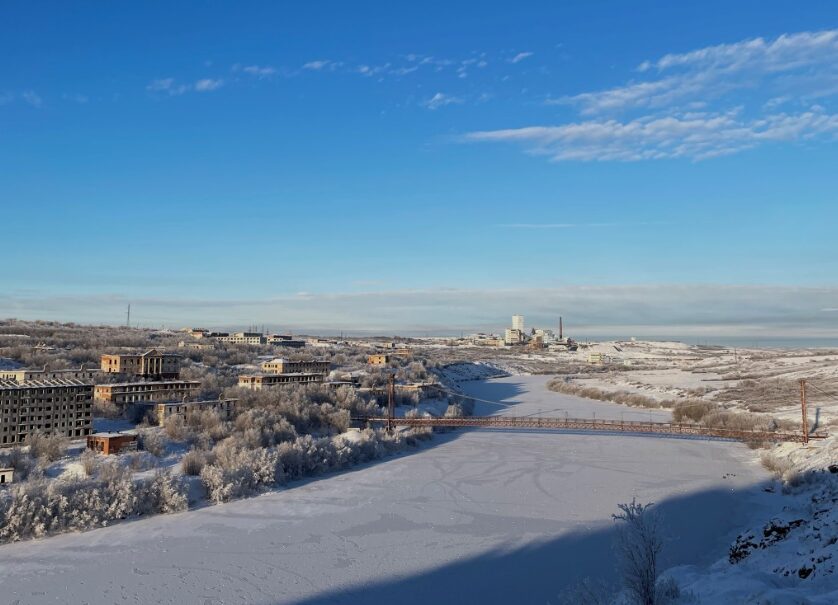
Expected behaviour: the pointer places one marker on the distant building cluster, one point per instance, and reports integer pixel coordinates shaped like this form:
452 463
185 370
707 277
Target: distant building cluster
517 335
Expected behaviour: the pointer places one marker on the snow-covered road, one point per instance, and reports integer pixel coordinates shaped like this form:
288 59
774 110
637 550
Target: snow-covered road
474 517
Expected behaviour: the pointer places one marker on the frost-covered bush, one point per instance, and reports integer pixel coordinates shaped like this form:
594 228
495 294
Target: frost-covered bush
38 508
238 472
193 463
639 544
151 441
46 447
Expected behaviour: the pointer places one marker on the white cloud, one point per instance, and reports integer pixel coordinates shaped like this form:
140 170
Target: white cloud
208 84
441 100
520 57
32 98
75 98
687 107
319 64
260 71
696 136
782 66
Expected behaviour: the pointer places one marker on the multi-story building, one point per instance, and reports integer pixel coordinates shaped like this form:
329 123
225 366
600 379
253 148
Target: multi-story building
255 382
152 363
378 359
140 392
518 323
244 338
24 375
285 366
163 411
52 407
284 340
513 336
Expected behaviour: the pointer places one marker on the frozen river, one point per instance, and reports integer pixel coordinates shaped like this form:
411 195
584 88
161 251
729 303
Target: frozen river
474 517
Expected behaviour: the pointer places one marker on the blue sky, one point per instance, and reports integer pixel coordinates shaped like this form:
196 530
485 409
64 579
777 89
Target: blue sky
661 167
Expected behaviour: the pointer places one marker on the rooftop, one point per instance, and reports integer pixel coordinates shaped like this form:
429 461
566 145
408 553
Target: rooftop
46 383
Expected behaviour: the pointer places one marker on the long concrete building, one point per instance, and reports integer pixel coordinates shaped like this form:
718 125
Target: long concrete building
286 366
24 375
141 392
151 364
256 382
52 407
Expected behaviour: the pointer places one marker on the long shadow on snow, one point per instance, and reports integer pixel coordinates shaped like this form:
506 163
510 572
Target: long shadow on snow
698 527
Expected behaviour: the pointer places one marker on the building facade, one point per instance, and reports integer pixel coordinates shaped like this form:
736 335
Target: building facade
53 407
256 382
244 338
149 364
24 375
378 359
518 322
285 366
142 392
112 443
225 408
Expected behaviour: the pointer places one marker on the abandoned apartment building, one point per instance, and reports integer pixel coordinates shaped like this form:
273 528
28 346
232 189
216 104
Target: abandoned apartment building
51 406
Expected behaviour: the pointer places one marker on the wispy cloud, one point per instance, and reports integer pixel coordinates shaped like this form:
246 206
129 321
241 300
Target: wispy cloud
30 97
75 97
520 57
717 70
171 87
260 71
697 136
687 109
322 64
208 84
441 100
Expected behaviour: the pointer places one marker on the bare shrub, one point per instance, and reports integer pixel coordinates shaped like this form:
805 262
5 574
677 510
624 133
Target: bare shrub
46 447
151 441
89 462
639 544
193 463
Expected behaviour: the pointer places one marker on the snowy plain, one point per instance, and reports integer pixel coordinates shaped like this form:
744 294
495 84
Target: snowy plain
472 517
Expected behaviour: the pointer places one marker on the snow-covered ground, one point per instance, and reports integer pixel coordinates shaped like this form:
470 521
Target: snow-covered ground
473 517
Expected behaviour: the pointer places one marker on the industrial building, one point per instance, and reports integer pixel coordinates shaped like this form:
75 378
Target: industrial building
225 408
259 381
52 407
24 375
151 364
139 392
285 366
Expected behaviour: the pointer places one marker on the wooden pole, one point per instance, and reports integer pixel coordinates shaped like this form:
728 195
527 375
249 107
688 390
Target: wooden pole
803 412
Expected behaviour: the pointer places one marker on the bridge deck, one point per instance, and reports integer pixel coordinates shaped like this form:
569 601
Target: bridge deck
581 424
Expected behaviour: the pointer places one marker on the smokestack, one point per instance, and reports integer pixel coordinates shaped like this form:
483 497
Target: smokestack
561 336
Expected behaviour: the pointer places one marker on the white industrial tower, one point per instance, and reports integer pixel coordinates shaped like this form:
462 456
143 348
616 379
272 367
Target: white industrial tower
518 323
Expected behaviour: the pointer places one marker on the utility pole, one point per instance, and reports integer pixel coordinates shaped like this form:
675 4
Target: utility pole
391 400
803 411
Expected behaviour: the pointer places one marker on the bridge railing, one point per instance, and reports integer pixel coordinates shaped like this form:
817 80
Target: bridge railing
589 424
